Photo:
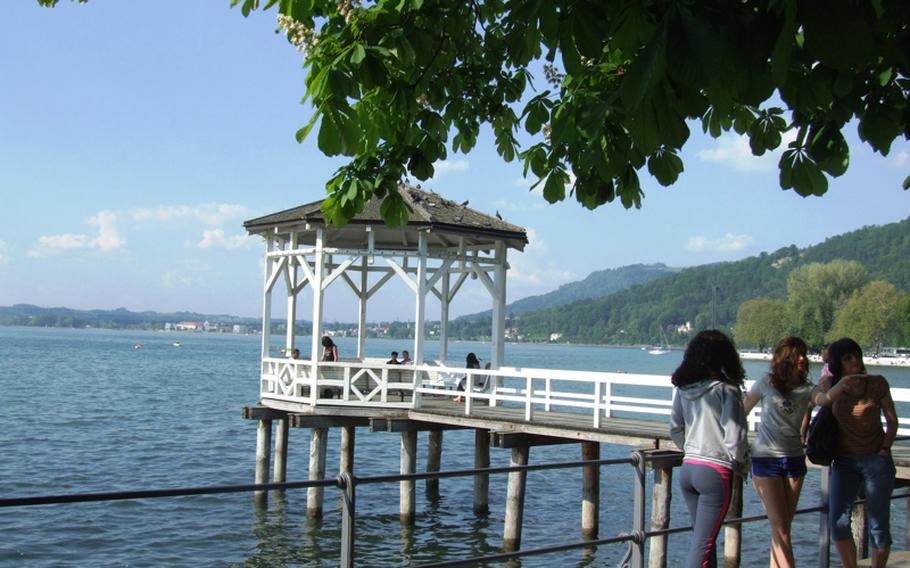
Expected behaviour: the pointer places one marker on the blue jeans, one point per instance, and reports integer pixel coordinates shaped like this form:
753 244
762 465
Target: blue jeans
876 473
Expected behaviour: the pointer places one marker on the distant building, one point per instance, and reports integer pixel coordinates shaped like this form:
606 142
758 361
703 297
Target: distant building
684 328
555 336
168 326
189 326
240 328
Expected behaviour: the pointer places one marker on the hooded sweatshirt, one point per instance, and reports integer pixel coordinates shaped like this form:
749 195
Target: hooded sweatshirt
708 423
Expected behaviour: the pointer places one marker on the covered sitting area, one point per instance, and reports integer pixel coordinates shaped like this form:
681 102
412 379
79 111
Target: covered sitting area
442 245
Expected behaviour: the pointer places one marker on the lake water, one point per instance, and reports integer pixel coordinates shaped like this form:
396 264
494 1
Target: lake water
84 411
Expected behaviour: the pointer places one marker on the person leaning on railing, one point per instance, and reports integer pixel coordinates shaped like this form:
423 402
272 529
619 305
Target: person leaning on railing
863 453
708 423
778 458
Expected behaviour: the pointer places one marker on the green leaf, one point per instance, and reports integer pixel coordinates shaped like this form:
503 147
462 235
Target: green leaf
555 188
665 166
828 148
647 69
305 131
329 140
783 46
907 182
879 126
588 25
358 54
808 178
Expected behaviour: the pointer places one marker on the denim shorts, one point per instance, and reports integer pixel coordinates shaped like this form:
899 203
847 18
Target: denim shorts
793 466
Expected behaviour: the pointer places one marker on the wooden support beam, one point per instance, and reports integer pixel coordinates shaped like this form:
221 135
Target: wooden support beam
481 480
326 421
515 501
281 451
434 459
508 440
263 448
405 425
590 504
347 449
315 495
408 506
733 533
858 526
262 413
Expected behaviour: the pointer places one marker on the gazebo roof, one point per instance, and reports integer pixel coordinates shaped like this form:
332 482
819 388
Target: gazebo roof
427 211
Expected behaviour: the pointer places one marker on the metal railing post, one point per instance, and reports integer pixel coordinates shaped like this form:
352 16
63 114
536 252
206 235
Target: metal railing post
824 537
638 514
347 483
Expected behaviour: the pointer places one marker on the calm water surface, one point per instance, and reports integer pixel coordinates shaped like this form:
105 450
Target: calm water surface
84 411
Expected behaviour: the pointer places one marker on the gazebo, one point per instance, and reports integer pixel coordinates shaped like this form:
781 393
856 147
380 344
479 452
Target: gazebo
442 244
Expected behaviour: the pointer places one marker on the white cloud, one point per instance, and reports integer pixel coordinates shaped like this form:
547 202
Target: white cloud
900 160
535 270
727 243
215 238
5 253
443 167
107 240
734 151
210 214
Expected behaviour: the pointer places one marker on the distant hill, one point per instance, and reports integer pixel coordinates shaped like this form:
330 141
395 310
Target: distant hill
636 314
120 318
596 285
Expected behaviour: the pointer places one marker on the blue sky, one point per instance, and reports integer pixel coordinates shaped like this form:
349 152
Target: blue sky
135 138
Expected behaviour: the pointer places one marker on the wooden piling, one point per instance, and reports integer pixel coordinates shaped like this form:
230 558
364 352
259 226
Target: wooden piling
481 480
515 501
280 474
733 533
590 504
347 449
263 448
408 506
314 495
661 497
434 459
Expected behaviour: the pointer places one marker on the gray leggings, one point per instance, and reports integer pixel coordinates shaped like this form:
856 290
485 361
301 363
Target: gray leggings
707 494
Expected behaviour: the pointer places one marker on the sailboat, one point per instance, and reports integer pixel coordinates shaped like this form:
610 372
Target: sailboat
663 348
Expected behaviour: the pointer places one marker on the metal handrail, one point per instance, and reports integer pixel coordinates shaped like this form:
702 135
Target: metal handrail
348 483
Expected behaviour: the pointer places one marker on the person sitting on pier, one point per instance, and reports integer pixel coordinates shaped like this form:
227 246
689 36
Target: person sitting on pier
329 349
863 453
406 358
295 353
708 423
778 458
471 362
394 359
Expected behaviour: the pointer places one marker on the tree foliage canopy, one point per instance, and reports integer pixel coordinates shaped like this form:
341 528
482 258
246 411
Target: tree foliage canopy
761 322
815 291
397 84
870 315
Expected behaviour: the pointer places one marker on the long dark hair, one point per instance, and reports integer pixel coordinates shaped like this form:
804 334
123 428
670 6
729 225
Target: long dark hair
327 342
785 374
836 352
710 354
471 361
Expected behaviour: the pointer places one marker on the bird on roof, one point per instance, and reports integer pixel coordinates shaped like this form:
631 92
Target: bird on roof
498 216
465 202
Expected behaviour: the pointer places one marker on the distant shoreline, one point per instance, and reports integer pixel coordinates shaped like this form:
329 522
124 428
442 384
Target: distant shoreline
868 361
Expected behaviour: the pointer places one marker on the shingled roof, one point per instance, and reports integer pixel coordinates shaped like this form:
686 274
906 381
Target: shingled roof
427 210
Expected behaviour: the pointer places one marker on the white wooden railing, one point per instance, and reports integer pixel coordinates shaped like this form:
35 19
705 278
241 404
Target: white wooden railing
597 394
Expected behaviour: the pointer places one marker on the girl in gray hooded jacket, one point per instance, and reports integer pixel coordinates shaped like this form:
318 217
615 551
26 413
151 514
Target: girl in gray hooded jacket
709 424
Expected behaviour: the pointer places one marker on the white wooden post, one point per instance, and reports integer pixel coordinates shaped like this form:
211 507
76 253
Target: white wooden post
267 299
444 318
316 346
292 296
420 315
362 313
499 305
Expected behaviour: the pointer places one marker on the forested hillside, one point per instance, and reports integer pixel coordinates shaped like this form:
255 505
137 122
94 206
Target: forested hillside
596 285
636 314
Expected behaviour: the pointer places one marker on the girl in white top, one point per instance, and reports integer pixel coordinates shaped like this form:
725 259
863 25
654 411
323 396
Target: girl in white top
778 458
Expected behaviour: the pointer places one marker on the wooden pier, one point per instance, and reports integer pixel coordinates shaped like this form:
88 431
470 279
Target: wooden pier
502 428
